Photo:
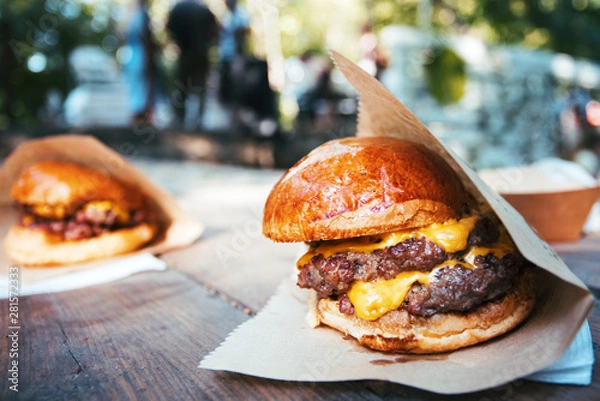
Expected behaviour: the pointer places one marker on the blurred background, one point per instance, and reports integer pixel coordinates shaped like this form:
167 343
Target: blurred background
503 83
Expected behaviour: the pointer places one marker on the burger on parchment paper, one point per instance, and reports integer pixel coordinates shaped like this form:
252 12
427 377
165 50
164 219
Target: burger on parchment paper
401 256
71 214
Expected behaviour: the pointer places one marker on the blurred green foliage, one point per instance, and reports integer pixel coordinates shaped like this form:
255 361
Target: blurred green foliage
48 29
446 75
52 28
566 26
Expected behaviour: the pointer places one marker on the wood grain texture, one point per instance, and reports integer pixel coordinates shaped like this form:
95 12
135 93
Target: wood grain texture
142 337
139 339
241 264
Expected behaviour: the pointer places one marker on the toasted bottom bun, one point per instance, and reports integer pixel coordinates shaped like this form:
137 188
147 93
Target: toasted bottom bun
34 247
399 331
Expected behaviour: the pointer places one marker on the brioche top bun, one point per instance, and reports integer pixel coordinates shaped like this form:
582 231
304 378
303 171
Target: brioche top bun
61 183
354 187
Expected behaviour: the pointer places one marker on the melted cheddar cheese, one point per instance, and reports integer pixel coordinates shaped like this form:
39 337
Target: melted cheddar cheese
452 236
121 214
60 212
503 246
372 299
54 212
27 220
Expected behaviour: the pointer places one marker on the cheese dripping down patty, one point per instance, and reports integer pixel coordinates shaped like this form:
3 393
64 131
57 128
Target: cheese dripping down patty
373 299
452 236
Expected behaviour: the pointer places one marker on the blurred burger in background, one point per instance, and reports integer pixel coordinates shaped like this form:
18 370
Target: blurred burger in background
70 214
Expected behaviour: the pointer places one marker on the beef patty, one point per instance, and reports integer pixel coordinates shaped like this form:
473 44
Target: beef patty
456 288
334 274
461 289
81 225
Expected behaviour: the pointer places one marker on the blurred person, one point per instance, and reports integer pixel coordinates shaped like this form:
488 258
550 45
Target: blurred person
575 129
372 58
244 82
254 104
194 29
141 69
232 41
319 104
579 129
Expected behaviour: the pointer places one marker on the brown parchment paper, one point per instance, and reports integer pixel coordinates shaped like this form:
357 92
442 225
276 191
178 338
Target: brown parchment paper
279 344
180 228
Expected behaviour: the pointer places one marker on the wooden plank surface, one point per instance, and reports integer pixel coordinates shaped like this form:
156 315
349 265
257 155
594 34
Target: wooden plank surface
120 341
142 337
246 269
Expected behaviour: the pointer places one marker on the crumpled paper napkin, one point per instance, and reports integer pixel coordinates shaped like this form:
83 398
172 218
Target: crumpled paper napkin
101 274
281 353
575 366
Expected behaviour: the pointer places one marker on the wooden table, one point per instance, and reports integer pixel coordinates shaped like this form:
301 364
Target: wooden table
142 337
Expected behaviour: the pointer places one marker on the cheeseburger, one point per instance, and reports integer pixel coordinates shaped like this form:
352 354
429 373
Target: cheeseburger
70 214
400 256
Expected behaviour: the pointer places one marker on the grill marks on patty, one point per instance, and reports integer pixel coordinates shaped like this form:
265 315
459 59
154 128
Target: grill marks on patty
334 275
485 232
461 289
454 288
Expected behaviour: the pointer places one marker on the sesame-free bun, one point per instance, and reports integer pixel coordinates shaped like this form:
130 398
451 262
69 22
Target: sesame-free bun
61 183
362 186
33 247
399 331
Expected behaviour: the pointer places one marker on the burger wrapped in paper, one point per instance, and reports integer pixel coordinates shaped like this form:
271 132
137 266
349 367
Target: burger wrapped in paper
71 214
400 256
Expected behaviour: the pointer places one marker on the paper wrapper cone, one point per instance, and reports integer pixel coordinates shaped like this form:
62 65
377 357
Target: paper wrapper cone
279 344
179 229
